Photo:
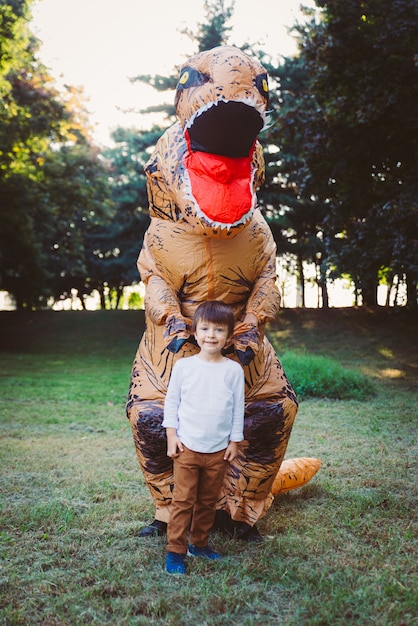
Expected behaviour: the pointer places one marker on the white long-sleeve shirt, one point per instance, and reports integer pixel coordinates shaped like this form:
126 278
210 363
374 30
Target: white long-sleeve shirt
205 403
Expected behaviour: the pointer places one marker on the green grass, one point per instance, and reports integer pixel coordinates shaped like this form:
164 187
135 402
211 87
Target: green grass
322 377
340 551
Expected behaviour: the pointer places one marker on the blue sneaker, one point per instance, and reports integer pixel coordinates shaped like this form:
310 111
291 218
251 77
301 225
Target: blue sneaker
174 563
206 552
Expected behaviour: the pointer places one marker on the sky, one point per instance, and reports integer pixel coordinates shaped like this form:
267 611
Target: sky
100 44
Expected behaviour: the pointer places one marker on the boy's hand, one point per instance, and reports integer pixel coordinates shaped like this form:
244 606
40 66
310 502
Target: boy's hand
231 451
174 445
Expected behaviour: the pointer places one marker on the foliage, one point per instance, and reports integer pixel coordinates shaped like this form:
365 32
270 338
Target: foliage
214 30
75 194
114 245
322 377
52 181
356 117
295 215
340 550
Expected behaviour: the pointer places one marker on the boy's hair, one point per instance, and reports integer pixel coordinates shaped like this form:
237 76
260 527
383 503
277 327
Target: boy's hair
216 312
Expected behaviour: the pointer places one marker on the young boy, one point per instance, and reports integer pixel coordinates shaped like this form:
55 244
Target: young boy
204 421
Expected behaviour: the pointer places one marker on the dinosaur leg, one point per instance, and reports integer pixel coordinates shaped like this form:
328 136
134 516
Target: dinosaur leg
246 494
157 468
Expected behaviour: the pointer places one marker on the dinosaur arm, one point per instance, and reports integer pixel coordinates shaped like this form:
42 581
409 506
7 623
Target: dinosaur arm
262 306
161 301
264 300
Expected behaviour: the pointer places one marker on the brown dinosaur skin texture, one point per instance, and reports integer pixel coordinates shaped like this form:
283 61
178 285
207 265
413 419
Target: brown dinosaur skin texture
187 258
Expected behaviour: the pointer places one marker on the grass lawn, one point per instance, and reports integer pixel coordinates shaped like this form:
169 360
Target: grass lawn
340 551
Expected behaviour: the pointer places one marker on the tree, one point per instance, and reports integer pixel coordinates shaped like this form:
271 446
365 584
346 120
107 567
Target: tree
75 197
293 210
28 114
360 134
214 31
52 181
344 143
114 246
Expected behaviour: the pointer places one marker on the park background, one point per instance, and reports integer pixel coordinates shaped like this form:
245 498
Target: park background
340 197
341 150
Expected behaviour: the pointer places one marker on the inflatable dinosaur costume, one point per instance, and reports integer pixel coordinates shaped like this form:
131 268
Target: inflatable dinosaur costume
208 241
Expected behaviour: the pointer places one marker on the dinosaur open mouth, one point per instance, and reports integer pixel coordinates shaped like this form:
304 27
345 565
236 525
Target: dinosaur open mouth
220 141
226 128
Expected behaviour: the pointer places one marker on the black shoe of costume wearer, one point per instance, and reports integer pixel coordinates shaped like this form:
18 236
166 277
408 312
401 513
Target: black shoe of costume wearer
155 529
240 530
223 523
245 532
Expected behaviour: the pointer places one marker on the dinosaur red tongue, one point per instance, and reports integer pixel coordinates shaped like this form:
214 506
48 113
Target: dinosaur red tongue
221 185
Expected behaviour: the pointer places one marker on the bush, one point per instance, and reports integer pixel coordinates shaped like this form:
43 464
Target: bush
321 377
135 301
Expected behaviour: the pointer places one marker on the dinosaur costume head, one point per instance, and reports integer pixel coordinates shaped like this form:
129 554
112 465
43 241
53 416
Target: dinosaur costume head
217 164
221 102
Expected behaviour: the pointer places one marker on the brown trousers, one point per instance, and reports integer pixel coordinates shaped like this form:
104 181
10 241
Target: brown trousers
198 478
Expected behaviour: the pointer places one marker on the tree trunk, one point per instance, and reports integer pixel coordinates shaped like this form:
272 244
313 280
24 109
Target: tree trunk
369 291
411 290
102 297
356 292
322 284
324 293
391 283
119 293
395 297
300 281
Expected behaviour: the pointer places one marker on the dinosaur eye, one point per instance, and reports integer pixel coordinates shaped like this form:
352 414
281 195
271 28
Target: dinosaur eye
184 78
261 82
190 77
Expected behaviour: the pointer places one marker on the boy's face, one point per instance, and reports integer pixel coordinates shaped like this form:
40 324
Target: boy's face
211 337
